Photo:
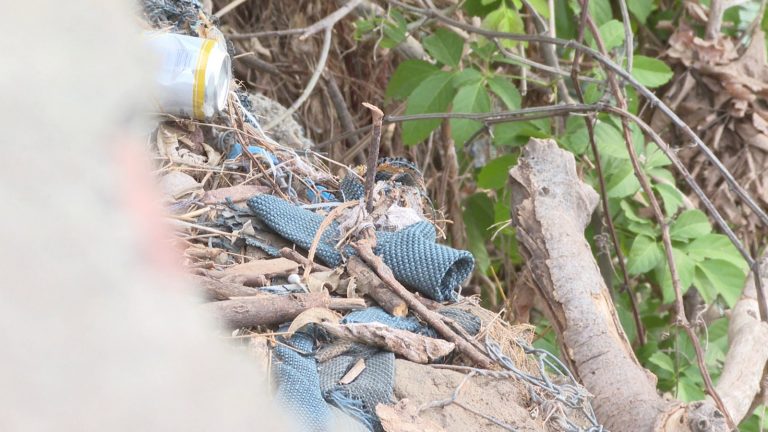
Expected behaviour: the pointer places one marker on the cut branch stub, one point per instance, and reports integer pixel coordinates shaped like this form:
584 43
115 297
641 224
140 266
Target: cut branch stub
551 207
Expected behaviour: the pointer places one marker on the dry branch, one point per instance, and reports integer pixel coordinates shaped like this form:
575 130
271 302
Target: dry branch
268 310
370 284
551 207
220 290
300 259
411 346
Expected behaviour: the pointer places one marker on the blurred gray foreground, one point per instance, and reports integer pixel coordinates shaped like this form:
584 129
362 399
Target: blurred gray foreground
96 332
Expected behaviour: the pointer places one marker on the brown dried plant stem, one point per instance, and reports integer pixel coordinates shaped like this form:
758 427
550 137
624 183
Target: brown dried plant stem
373 155
680 318
364 248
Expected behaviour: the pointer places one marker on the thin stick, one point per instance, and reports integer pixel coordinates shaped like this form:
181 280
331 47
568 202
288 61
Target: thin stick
312 81
228 8
330 20
373 155
364 249
629 42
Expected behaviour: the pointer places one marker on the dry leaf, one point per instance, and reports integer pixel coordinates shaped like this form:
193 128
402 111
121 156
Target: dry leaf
313 316
327 280
176 184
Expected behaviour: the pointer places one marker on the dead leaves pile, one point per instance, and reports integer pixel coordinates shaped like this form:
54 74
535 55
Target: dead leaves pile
722 95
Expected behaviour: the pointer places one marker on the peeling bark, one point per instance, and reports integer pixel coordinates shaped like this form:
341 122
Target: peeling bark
551 207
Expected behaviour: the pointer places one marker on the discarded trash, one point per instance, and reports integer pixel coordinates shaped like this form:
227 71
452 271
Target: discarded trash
193 77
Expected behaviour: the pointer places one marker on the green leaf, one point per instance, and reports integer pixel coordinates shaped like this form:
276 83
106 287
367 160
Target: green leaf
690 224
630 213
478 217
662 361
686 268
467 77
720 277
469 99
600 11
609 141
433 95
505 19
541 7
670 196
623 183
644 255
445 46
408 75
644 229
506 91
565 22
480 8
716 246
395 30
576 138
612 34
650 72
641 9
515 134
494 174
688 391
655 158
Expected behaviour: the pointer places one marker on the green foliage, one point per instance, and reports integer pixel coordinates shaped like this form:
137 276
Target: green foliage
433 95
650 72
407 77
445 46
641 9
476 77
471 98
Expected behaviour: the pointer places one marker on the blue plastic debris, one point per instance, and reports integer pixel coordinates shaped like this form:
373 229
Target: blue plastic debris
237 150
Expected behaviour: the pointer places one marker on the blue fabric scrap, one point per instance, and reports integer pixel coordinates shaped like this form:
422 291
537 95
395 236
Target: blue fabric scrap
412 253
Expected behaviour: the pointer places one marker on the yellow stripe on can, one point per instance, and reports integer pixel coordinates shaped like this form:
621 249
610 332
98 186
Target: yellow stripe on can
198 91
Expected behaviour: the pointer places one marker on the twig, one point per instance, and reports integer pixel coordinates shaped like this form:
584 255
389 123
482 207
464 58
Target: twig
629 43
312 81
716 9
373 155
330 20
250 60
296 257
337 98
266 33
228 8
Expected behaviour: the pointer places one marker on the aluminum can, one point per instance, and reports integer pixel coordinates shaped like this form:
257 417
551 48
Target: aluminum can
193 75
